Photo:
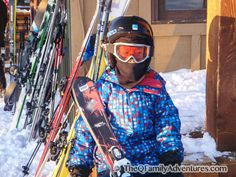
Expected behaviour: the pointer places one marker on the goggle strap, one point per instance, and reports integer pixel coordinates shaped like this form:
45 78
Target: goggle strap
151 51
109 47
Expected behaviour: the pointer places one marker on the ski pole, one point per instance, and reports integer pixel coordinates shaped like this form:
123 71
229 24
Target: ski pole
105 23
99 30
26 167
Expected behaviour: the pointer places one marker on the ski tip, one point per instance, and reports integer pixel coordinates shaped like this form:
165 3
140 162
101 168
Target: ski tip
80 82
9 91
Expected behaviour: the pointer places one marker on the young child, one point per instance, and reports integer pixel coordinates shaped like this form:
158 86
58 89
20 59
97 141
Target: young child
142 114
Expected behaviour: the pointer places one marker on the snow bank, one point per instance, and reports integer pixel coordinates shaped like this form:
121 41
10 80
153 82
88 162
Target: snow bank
187 90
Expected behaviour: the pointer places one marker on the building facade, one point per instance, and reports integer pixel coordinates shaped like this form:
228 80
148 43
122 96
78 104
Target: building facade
179 29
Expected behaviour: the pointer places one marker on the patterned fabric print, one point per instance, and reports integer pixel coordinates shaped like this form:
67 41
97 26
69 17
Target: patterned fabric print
82 151
139 117
100 161
144 119
167 126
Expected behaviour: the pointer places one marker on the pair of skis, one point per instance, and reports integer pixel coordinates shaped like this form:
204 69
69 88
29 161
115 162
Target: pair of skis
46 80
98 123
58 116
12 12
61 109
12 32
26 61
103 135
44 70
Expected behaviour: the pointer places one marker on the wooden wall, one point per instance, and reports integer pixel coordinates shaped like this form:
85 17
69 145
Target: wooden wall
221 73
177 45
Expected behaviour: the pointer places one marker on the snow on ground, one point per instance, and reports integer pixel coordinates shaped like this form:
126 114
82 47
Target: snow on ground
206 145
187 90
14 147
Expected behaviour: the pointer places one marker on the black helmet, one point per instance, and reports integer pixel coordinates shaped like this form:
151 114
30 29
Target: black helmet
130 27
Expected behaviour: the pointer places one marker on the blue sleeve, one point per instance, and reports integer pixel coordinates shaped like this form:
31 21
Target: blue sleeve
82 151
167 125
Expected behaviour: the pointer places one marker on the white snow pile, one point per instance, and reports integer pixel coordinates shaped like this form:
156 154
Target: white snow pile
187 90
206 146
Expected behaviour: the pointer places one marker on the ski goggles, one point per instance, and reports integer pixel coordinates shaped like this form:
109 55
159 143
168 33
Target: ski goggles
126 51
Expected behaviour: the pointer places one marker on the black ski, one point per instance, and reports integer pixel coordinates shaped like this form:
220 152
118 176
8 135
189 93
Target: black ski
91 107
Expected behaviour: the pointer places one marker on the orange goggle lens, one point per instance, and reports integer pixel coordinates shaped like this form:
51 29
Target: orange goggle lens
126 51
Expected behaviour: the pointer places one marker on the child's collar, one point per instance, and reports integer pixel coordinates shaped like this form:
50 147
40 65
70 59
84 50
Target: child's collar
149 80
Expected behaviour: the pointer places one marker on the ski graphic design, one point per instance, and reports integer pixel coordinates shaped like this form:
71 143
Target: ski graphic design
91 107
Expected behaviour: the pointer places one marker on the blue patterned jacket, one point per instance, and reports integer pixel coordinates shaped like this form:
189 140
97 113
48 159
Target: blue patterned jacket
144 119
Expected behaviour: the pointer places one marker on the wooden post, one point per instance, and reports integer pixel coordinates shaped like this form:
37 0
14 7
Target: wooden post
221 73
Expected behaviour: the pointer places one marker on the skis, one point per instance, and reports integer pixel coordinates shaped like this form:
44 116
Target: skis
53 54
118 8
34 59
56 124
12 11
92 110
22 70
